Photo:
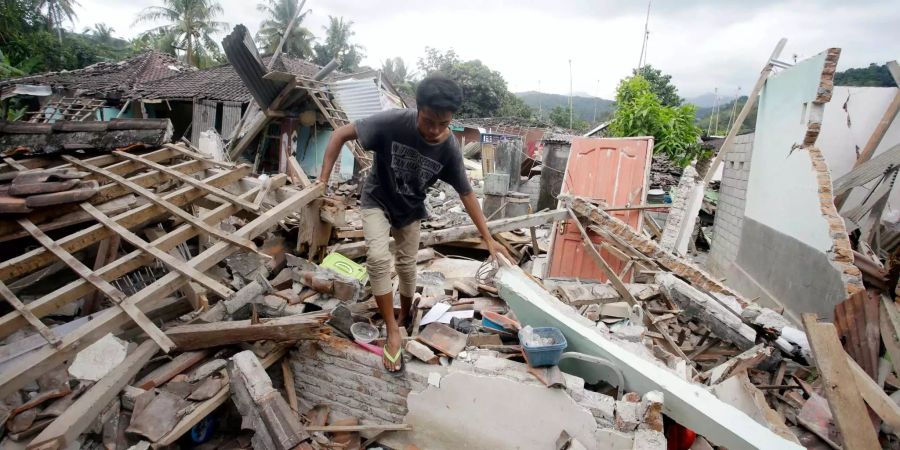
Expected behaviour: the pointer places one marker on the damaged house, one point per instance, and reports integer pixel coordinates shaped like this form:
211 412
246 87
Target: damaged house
187 286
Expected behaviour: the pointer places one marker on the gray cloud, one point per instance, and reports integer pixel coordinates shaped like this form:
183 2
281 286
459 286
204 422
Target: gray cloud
702 44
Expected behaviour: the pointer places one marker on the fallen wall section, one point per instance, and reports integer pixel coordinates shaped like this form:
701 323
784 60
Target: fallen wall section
794 250
688 404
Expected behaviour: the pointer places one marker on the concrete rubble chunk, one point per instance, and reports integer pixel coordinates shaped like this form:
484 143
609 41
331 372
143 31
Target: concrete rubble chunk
99 358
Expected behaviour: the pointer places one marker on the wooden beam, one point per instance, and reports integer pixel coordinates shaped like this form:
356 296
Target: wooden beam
889 321
173 209
437 237
649 318
601 263
107 252
874 395
108 192
198 156
189 180
165 258
206 335
169 370
197 414
880 130
26 313
117 296
38 258
111 319
132 261
78 417
745 110
847 406
289 388
868 170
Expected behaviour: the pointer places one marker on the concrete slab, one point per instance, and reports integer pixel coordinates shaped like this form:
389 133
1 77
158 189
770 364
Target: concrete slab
475 411
687 403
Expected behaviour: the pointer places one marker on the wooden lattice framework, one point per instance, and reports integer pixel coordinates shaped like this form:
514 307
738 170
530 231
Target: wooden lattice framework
167 183
70 109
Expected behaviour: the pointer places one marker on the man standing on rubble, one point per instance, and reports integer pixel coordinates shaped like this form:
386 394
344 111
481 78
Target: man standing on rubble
413 149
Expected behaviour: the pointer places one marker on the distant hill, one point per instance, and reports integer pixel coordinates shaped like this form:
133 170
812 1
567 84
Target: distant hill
582 106
707 100
705 116
874 75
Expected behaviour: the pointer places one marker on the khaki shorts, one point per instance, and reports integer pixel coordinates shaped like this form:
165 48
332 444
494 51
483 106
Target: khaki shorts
377 231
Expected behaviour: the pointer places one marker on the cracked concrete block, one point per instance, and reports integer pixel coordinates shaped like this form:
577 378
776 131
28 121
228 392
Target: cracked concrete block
649 440
628 415
99 358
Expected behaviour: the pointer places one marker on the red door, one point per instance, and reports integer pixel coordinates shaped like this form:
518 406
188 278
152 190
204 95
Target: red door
615 171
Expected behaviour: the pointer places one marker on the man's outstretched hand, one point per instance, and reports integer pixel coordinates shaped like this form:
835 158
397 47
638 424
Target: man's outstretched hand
494 248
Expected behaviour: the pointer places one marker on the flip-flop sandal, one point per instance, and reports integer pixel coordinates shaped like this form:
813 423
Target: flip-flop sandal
393 360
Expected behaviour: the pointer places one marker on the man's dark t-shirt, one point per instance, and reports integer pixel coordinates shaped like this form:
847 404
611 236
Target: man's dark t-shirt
406 166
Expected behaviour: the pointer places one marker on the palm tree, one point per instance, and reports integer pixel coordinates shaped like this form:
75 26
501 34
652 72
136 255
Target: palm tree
337 44
56 9
191 24
278 16
101 32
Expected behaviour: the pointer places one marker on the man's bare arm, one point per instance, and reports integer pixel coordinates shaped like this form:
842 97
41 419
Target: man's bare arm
340 137
470 202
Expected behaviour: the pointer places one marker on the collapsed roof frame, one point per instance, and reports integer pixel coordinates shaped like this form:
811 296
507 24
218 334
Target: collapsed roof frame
284 201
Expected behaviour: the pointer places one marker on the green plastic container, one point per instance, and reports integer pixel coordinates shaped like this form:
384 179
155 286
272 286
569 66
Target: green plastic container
345 266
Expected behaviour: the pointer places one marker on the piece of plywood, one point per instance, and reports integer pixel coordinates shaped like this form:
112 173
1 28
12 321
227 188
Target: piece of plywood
842 393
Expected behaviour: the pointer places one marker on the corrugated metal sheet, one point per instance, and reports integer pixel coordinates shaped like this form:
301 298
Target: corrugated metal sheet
615 171
360 98
204 118
241 53
231 115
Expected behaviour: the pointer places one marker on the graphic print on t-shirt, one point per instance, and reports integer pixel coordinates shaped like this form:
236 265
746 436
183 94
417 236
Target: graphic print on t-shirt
412 171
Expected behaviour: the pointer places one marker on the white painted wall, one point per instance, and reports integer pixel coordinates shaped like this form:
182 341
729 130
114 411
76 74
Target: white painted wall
849 120
782 191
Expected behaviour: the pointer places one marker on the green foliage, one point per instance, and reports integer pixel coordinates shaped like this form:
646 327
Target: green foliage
278 16
395 71
513 106
56 11
559 116
874 75
639 112
189 25
660 84
484 90
337 44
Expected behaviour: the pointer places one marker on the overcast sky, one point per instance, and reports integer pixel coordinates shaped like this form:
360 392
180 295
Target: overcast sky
702 44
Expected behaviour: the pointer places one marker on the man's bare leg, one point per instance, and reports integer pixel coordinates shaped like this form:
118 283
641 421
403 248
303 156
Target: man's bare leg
405 314
392 346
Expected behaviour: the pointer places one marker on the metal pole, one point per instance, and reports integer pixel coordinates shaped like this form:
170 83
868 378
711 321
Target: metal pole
570 93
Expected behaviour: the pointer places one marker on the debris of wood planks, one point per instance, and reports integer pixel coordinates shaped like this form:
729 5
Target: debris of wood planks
112 319
264 410
169 370
45 138
857 323
282 329
78 417
840 390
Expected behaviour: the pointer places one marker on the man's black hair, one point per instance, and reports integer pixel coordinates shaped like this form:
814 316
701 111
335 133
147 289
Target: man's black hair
439 92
